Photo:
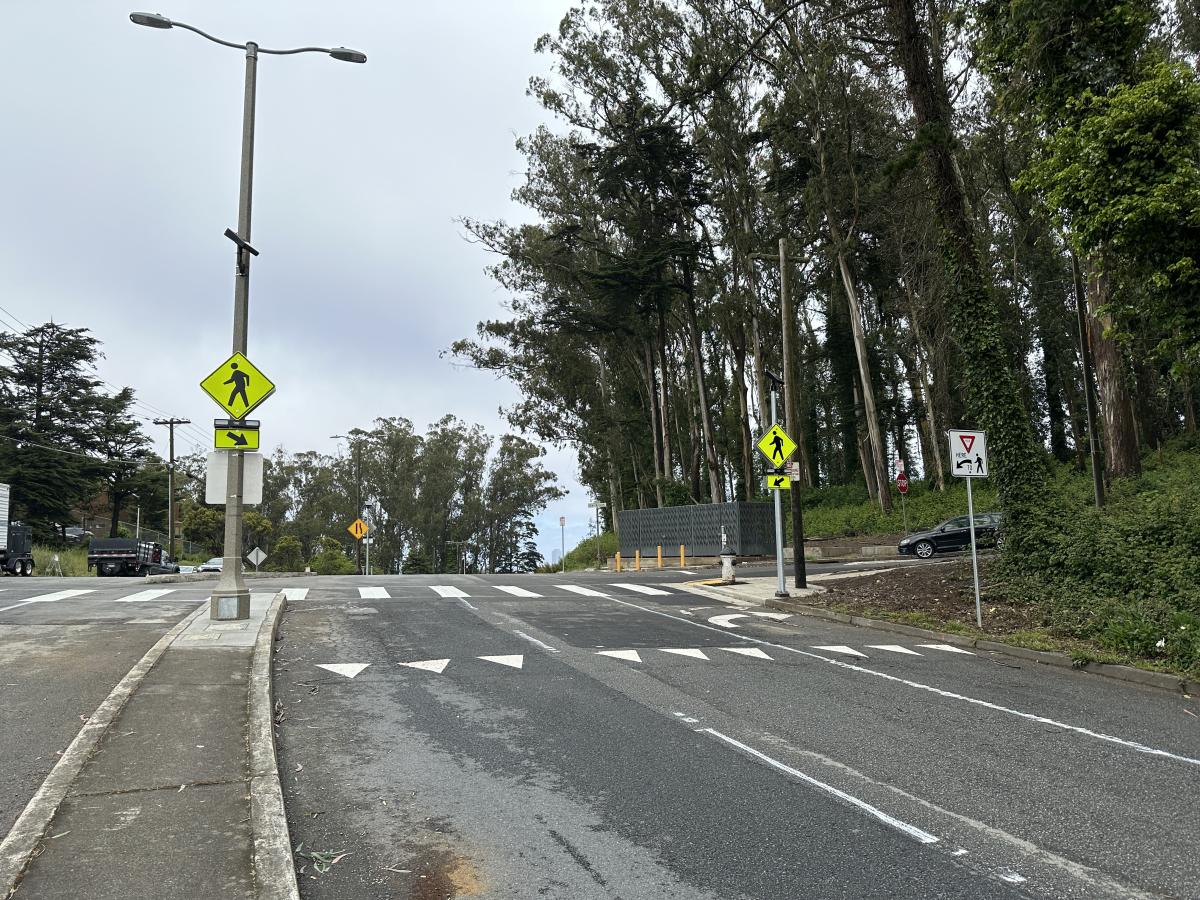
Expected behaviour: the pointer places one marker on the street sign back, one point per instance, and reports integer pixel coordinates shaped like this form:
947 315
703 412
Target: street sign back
256 557
359 529
776 446
237 386
968 454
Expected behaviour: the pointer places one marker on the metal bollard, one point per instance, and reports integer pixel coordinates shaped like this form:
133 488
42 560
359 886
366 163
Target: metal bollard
727 562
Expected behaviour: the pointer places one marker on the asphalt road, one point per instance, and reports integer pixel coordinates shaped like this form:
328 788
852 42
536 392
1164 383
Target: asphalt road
596 735
65 643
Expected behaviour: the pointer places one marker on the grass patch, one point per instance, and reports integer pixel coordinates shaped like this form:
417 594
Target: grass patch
73 560
847 511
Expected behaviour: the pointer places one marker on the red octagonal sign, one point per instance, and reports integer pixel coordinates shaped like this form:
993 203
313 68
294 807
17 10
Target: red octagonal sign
902 482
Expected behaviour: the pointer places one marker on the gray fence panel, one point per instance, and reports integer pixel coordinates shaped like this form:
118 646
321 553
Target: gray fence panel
749 527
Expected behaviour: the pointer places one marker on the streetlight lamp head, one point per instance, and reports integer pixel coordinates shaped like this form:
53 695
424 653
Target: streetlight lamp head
345 54
150 20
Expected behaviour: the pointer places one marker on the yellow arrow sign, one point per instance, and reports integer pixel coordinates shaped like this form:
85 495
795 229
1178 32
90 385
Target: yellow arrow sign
235 438
359 529
779 482
237 386
776 446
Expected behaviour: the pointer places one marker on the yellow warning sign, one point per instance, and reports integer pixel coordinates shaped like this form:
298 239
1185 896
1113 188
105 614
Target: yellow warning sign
779 482
238 386
776 446
235 438
359 529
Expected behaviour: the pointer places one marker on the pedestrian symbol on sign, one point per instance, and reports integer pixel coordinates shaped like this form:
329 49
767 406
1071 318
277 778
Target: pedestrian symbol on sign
239 380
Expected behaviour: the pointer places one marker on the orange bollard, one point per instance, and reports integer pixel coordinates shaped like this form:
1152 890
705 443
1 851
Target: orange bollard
660 556
682 558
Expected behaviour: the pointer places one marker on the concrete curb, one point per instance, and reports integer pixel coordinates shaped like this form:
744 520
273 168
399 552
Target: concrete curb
1130 674
274 869
26 834
183 576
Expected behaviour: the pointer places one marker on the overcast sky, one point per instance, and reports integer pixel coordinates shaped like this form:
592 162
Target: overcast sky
120 170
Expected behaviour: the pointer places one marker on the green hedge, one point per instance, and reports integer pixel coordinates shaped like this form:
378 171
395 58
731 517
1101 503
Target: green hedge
846 511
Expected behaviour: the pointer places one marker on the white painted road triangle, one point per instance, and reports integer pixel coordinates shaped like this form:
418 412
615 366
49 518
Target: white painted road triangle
143 596
429 665
516 591
640 588
775 617
949 648
630 655
576 589
515 661
894 648
374 593
58 595
842 648
347 669
746 651
696 654
294 595
446 590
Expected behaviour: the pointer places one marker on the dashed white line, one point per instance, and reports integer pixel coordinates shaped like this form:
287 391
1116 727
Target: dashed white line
911 830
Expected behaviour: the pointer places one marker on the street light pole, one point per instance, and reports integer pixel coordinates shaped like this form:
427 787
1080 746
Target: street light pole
231 598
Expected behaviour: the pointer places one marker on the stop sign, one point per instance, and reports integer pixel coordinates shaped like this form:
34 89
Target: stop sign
902 482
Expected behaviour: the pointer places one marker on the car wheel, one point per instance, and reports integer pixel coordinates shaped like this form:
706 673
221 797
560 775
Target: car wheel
923 549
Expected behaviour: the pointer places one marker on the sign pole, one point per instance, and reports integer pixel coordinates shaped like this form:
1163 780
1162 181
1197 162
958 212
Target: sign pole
974 555
562 525
781 590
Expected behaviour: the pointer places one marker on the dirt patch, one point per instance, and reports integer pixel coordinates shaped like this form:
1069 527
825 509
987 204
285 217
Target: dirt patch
938 595
445 876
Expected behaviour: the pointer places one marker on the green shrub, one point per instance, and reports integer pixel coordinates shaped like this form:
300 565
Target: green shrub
73 560
287 555
331 559
847 511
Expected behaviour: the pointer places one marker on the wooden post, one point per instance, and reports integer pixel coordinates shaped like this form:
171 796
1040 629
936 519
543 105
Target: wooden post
660 556
682 558
618 560
637 560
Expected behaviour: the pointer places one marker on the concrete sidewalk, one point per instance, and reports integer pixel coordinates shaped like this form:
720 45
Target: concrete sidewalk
170 790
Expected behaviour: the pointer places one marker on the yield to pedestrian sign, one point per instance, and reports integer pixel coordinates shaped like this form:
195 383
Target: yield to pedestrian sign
237 386
968 454
776 446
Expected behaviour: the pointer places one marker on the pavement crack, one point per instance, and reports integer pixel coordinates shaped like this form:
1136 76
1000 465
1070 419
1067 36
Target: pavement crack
176 787
579 858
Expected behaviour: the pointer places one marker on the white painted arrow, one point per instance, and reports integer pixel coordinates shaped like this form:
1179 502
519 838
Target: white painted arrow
347 669
747 651
776 617
630 655
695 654
429 665
842 648
516 660
727 621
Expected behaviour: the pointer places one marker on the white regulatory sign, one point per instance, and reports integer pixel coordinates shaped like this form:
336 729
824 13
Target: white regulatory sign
968 454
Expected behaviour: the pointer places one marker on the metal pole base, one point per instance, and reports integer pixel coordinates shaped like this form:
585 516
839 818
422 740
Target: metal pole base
230 598
782 595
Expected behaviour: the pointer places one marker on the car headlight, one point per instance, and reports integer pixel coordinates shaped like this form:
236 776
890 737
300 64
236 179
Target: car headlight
906 542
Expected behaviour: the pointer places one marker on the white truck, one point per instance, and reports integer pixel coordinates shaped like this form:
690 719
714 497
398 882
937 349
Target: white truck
16 540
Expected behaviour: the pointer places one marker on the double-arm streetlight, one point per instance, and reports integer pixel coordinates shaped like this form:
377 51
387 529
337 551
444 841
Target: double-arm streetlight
231 598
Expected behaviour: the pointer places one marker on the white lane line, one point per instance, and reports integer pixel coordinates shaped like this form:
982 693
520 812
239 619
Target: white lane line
347 669
534 641
686 572
143 596
911 830
58 595
629 655
894 648
695 654
841 648
639 588
446 590
514 661
373 593
429 665
14 606
1011 877
294 595
576 589
949 695
949 648
746 651
516 591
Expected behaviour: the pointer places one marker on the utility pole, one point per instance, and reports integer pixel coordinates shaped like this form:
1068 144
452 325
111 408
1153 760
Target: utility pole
171 423
791 419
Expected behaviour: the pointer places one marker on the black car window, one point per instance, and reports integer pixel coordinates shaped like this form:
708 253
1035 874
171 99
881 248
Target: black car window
960 522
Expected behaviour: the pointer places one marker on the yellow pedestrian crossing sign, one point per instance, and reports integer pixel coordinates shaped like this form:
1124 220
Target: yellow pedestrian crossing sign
237 386
359 529
235 438
779 482
776 446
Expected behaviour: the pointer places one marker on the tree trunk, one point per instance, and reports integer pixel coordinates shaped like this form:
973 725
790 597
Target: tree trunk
1116 406
716 488
655 431
668 467
747 448
992 388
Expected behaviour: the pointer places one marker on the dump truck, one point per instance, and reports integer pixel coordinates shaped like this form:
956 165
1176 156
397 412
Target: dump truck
16 540
128 556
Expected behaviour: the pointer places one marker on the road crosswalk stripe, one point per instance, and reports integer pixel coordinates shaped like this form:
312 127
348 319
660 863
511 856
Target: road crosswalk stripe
516 591
373 593
57 595
446 590
640 588
585 591
894 648
949 648
294 595
143 596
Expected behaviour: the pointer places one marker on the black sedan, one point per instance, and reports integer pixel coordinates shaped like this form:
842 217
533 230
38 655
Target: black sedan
953 534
